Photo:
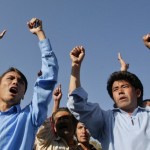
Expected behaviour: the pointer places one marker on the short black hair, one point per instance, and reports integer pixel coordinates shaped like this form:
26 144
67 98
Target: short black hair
13 69
126 76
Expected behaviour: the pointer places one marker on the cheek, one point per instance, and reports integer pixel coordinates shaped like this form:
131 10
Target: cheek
130 94
115 96
22 88
78 134
22 92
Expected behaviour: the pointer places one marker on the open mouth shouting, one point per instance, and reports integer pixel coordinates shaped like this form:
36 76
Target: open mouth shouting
63 126
13 90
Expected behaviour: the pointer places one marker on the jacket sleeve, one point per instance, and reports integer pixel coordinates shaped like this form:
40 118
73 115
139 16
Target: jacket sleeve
45 83
88 113
45 135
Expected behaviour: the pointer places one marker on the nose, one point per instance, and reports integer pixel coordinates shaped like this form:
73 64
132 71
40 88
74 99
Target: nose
83 130
121 91
15 81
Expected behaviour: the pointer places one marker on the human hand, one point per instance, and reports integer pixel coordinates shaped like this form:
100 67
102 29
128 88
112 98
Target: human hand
77 54
124 66
146 40
35 25
2 34
57 94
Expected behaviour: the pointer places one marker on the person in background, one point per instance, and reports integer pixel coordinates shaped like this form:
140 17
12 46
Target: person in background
146 40
83 138
146 103
81 132
19 126
57 95
57 132
123 65
117 129
2 34
50 136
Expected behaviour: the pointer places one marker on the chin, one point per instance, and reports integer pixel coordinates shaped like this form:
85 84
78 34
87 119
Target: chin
83 141
123 105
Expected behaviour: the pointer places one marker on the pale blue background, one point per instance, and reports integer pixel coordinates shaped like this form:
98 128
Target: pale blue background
103 27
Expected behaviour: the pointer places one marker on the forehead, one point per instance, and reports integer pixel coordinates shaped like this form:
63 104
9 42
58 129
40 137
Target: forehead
80 124
12 73
119 83
61 113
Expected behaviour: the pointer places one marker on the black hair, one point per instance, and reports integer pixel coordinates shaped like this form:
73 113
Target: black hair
126 76
12 69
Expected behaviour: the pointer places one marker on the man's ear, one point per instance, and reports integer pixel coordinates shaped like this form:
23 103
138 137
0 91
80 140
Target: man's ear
22 97
138 93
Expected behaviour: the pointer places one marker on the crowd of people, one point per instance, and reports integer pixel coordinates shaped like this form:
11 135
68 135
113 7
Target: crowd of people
125 127
62 130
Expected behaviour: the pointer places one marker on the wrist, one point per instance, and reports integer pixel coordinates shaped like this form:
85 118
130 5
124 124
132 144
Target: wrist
74 64
41 35
148 46
56 101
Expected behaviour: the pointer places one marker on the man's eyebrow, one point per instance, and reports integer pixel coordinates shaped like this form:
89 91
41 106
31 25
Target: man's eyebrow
9 75
18 77
114 87
21 79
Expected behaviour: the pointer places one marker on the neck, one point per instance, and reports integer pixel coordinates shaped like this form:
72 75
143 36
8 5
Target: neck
4 106
70 141
130 111
86 144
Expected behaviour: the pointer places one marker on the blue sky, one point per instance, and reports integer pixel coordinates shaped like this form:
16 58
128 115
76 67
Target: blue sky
104 28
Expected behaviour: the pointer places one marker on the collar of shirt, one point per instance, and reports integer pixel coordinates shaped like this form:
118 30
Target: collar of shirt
13 109
134 112
57 138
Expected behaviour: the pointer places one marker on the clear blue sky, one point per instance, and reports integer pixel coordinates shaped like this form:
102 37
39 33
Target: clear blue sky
104 28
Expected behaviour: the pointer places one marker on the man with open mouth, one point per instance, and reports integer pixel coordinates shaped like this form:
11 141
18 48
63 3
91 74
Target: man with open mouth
19 126
57 132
